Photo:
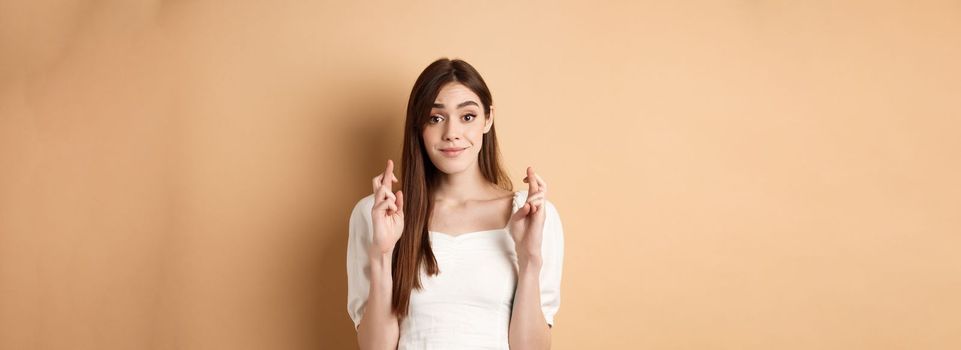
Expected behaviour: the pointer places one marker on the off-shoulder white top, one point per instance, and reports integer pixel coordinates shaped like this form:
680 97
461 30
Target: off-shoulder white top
468 305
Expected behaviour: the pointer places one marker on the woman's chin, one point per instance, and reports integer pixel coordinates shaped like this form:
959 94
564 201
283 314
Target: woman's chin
451 166
451 169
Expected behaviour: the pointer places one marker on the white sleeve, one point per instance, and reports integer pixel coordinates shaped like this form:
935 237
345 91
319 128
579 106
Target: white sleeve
553 252
360 229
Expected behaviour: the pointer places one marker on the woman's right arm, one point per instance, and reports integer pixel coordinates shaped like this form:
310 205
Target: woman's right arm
379 327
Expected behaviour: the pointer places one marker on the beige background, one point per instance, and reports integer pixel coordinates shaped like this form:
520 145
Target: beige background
731 174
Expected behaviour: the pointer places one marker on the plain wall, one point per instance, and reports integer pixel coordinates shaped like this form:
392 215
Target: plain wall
730 174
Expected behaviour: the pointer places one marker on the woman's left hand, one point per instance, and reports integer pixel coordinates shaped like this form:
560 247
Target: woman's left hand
527 224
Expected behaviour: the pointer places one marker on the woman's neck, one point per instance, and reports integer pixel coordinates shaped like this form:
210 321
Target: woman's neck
464 186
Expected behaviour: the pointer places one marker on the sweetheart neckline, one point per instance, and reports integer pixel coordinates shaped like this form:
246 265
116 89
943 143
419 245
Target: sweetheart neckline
466 233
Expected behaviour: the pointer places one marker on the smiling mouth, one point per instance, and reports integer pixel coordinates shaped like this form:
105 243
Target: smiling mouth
452 152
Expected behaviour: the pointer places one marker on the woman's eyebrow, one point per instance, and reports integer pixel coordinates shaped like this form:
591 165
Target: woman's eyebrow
461 105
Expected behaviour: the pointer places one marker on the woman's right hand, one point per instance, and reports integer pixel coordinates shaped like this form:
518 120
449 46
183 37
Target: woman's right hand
387 214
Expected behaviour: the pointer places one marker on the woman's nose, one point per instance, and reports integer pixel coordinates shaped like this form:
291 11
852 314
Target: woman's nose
451 132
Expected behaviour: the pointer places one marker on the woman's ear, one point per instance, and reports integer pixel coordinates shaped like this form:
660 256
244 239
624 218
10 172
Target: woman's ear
490 120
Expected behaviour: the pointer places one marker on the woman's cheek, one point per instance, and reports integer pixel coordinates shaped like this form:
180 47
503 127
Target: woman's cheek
477 135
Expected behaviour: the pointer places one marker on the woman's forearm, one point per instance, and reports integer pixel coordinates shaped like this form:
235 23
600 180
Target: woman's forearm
378 328
528 328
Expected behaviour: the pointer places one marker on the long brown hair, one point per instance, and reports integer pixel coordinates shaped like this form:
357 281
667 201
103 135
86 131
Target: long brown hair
420 177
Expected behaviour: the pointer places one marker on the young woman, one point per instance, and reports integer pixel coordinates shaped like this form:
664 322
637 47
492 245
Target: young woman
456 260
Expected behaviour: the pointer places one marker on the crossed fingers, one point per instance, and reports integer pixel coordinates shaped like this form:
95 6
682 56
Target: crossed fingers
537 190
382 188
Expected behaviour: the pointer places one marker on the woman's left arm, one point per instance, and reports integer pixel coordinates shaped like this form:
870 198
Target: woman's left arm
528 328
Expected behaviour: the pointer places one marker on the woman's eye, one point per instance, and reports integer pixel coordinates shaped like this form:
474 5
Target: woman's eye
471 117
435 119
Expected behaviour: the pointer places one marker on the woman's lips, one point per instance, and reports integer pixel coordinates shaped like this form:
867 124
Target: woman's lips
452 152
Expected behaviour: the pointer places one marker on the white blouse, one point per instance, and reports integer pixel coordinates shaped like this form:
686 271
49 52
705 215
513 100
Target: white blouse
468 304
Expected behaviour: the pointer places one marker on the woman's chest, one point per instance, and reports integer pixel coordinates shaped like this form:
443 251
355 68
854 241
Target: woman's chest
478 269
476 216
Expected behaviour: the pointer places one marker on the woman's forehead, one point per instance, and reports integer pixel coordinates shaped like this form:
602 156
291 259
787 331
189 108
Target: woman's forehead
455 95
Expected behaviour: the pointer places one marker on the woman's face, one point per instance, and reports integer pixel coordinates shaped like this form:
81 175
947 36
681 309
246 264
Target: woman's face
455 130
